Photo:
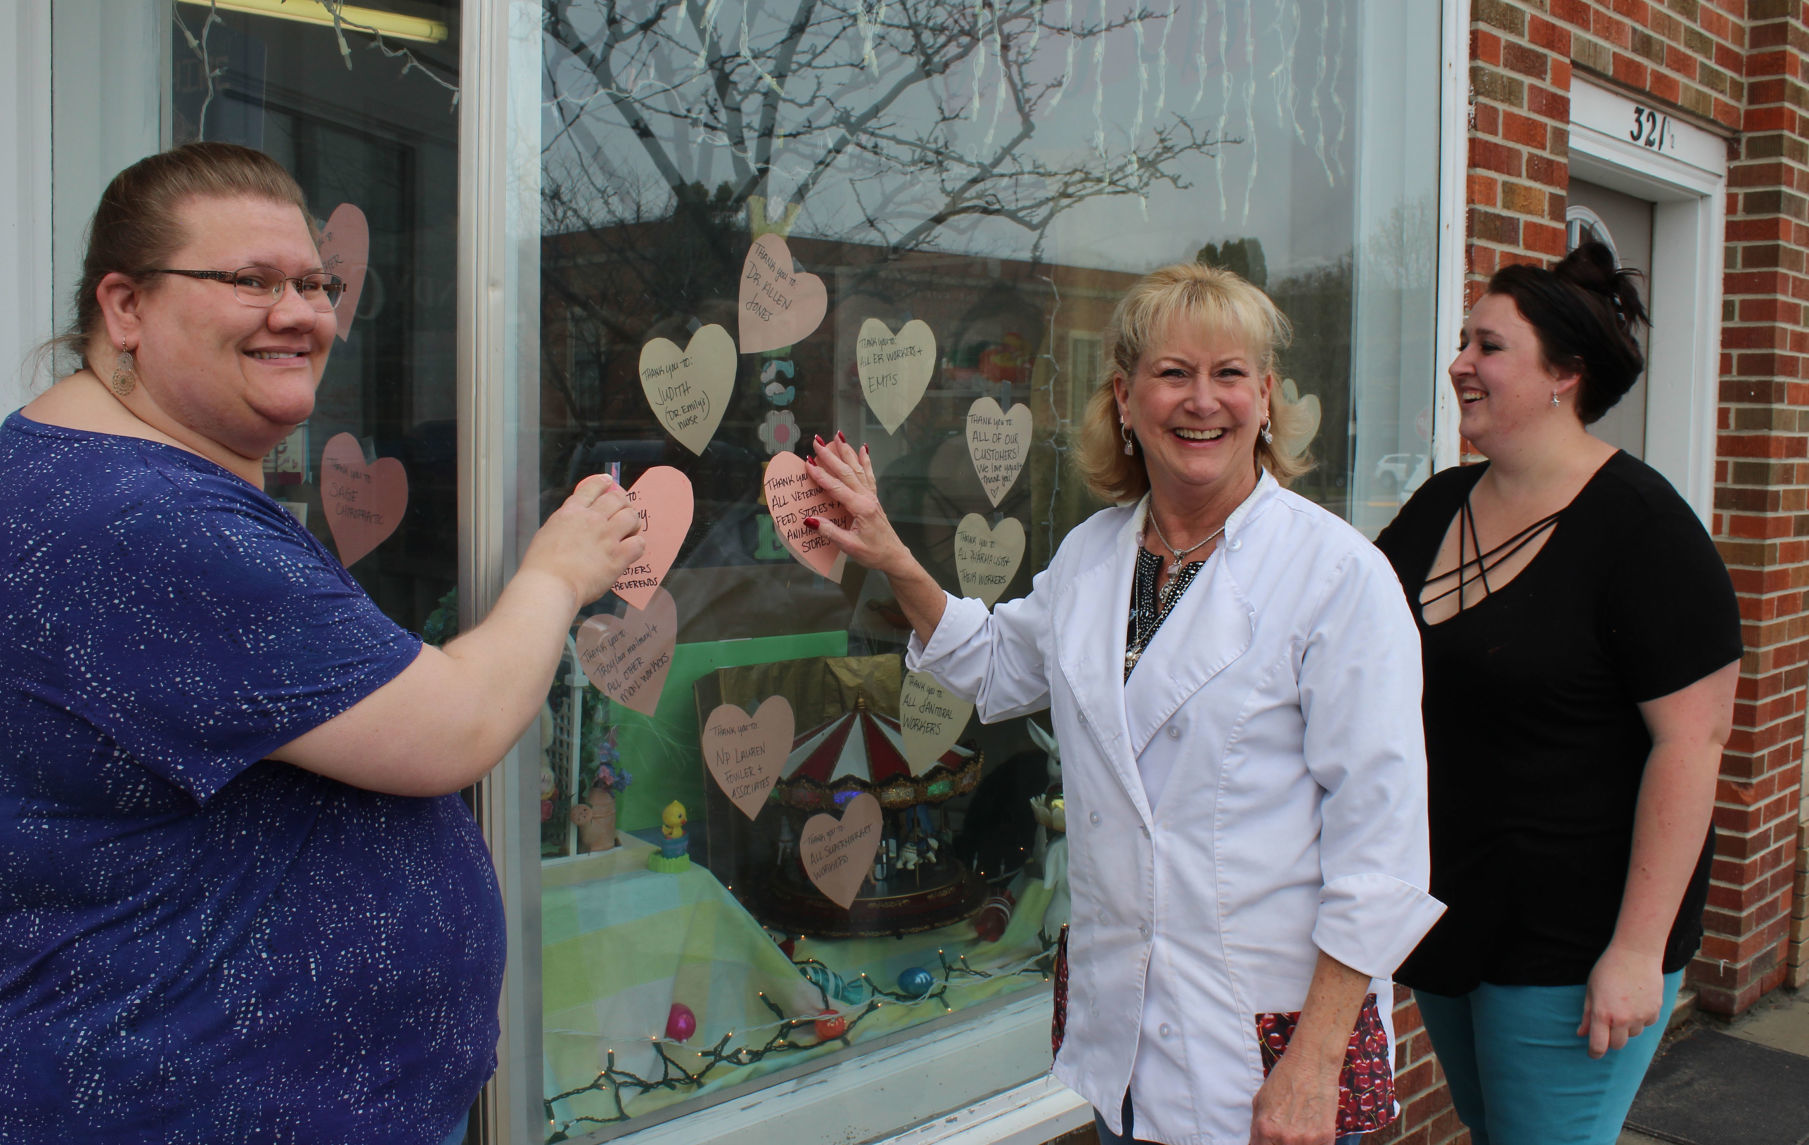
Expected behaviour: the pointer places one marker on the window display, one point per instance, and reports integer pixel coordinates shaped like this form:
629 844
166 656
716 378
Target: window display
766 846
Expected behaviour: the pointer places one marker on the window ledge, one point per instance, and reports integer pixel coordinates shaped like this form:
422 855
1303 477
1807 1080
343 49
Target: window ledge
979 1066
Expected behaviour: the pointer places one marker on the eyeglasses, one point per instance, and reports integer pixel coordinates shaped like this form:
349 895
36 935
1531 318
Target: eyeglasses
262 286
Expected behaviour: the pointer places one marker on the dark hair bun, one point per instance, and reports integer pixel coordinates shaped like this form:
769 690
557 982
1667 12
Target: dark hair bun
1584 311
1591 267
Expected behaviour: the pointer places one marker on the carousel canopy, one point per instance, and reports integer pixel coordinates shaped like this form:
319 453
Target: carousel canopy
862 750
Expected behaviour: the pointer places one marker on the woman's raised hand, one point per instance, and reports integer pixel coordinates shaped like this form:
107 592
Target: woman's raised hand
846 474
589 540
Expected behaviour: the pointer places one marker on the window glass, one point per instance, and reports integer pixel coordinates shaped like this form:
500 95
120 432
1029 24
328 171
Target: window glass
764 848
363 115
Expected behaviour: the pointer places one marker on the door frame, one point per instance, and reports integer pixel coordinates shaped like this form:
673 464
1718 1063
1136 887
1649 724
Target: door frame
1647 152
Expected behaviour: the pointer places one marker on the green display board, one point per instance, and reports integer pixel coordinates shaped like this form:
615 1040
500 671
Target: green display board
662 751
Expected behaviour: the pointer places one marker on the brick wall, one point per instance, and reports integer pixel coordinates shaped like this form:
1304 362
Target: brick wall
1762 512
1737 67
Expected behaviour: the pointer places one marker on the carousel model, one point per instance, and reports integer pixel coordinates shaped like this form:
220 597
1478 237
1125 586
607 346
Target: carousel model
916 882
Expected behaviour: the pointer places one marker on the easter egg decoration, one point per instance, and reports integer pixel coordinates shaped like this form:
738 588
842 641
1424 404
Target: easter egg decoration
681 1023
829 1026
915 982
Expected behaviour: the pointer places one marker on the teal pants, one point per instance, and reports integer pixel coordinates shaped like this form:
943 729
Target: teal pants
1519 1074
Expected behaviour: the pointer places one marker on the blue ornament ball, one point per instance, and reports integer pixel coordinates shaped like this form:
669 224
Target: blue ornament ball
916 981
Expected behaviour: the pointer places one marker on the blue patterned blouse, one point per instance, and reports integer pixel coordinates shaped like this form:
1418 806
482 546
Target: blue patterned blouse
197 944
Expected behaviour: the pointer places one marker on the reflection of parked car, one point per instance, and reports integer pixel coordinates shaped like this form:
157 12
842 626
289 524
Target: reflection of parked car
1401 472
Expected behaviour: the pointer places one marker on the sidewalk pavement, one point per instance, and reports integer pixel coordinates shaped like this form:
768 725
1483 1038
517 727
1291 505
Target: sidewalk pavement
1779 1020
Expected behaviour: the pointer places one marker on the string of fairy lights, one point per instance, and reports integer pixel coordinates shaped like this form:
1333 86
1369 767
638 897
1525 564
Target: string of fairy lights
829 1027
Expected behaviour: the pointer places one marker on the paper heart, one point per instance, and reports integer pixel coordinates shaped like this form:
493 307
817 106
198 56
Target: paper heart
780 306
895 369
690 388
1307 415
932 718
792 496
745 754
345 250
838 856
998 442
987 557
627 657
364 502
663 498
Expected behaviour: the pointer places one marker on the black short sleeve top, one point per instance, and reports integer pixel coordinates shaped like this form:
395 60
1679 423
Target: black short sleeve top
1534 741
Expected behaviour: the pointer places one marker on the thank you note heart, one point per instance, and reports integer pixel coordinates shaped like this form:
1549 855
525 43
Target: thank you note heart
779 305
792 496
838 855
895 369
987 556
932 719
345 250
745 754
689 389
627 657
998 442
364 502
663 499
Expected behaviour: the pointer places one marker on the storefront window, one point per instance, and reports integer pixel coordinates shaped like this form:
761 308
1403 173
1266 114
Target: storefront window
764 849
362 110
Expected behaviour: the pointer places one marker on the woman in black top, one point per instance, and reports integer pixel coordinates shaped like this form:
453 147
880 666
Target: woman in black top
1581 642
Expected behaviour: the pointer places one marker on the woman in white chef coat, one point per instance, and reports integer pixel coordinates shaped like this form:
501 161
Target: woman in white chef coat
1234 680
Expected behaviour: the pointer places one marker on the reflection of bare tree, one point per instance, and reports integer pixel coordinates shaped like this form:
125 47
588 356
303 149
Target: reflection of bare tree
930 101
900 122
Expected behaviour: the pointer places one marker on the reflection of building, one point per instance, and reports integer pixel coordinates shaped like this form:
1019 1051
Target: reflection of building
501 367
1012 330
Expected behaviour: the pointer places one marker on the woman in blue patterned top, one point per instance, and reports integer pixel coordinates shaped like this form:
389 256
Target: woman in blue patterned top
239 897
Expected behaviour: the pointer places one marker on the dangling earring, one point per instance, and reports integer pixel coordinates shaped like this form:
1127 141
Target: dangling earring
125 374
1124 431
1554 400
1268 435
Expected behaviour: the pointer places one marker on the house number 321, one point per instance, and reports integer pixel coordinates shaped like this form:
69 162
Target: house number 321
1650 129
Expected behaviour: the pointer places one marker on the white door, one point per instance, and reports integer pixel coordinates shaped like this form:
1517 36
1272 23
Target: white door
1624 224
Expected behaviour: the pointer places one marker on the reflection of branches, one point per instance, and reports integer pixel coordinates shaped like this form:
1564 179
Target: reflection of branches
843 89
198 45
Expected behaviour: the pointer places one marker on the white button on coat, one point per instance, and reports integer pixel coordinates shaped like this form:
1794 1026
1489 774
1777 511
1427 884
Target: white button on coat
1293 820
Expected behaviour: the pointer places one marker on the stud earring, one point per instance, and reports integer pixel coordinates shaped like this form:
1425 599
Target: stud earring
125 374
1124 431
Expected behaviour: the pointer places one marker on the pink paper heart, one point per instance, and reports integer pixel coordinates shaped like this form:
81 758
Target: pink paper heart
663 498
364 503
745 754
792 496
838 856
627 657
345 250
780 306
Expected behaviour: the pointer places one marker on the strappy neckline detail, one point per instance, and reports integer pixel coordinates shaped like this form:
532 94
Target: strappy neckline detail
1482 562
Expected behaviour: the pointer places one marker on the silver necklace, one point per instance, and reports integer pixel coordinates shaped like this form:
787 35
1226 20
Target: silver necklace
1177 554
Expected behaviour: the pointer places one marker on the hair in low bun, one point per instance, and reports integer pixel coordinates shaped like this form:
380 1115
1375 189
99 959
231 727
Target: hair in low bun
1584 311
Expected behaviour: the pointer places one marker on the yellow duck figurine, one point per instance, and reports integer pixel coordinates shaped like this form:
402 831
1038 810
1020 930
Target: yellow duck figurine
674 850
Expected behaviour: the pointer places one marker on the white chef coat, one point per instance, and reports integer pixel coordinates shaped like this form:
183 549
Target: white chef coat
1287 689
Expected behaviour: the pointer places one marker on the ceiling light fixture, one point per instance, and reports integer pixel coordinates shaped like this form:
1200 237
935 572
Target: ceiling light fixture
391 24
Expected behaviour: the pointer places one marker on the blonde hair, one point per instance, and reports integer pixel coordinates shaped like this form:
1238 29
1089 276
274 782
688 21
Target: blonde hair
1212 298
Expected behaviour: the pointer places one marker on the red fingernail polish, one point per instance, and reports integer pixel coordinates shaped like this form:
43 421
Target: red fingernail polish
809 460
819 438
863 449
811 522
840 438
